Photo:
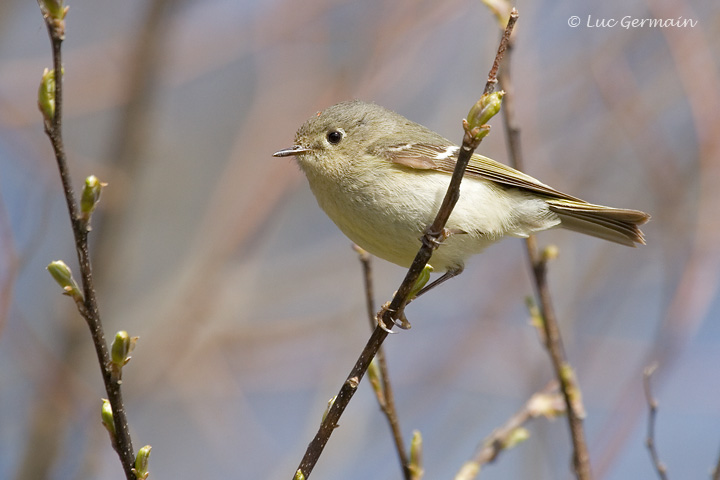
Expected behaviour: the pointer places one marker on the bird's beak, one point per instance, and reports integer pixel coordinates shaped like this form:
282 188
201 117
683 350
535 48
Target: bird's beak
294 150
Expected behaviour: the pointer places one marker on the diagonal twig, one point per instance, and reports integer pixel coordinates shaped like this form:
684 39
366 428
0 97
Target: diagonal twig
538 264
395 308
543 403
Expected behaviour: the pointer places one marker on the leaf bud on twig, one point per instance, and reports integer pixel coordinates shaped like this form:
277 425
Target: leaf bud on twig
63 276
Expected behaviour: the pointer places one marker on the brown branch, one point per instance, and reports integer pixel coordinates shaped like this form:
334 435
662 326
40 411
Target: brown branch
395 308
543 403
652 414
88 308
553 339
383 391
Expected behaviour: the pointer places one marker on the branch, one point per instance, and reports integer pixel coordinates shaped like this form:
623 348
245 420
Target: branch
433 234
546 402
54 14
381 386
652 413
538 264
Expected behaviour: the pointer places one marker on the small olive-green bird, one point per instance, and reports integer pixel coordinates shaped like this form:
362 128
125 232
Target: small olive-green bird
381 178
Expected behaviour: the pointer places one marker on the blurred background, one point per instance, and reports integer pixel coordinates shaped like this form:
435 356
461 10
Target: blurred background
248 301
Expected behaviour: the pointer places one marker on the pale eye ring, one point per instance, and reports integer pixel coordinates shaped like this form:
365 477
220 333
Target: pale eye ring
335 136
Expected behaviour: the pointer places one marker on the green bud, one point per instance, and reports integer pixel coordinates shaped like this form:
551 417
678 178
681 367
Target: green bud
107 418
121 347
468 471
501 10
331 402
485 108
46 95
141 463
415 467
90 195
120 350
299 475
549 405
567 374
421 281
53 9
63 276
374 376
550 252
54 13
536 318
61 273
518 435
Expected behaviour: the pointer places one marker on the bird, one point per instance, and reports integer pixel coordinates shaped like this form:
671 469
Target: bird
381 179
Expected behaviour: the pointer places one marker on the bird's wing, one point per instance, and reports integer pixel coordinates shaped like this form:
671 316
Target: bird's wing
442 158
615 224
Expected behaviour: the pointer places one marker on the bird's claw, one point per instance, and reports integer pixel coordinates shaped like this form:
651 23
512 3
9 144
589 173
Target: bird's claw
435 239
400 322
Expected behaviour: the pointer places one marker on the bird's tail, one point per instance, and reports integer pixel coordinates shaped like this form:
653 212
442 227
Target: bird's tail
619 225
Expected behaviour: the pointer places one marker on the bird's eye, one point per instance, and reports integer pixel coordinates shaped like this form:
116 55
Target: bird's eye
334 136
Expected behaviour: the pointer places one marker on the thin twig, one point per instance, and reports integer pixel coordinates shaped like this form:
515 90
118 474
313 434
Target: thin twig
563 371
541 403
652 414
88 308
384 393
395 308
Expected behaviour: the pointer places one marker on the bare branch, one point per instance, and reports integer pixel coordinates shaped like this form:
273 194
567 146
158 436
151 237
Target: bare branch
395 308
652 413
538 264
547 402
